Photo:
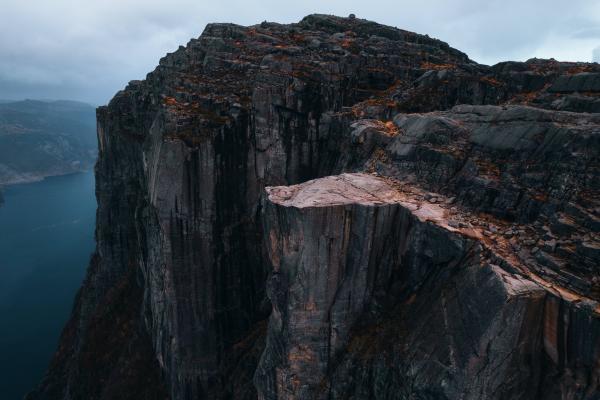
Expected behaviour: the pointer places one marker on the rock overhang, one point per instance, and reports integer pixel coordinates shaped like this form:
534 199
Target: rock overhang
373 191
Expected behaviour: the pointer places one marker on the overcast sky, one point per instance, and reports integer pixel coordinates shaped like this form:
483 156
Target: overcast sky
89 49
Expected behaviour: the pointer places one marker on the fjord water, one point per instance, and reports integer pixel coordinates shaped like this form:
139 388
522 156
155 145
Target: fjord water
46 239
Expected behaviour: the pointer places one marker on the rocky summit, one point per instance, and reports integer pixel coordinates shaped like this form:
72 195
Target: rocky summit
337 209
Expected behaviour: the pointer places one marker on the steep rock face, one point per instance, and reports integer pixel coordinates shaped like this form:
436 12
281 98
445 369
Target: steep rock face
376 296
194 144
175 297
325 272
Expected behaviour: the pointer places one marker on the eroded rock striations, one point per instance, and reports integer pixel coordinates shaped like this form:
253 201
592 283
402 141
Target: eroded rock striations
429 228
376 293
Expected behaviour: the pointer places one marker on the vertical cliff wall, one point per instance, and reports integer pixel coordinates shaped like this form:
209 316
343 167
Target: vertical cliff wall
175 301
375 295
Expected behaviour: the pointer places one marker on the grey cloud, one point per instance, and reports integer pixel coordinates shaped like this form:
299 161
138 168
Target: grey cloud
89 50
585 33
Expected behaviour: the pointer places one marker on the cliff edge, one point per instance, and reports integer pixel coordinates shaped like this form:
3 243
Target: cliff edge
341 209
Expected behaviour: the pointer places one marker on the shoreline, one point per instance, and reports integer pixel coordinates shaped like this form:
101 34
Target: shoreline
40 178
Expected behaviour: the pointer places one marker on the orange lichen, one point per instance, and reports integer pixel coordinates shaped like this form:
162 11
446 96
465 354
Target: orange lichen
528 96
359 110
170 101
346 43
436 67
543 197
298 38
301 353
577 69
391 129
379 157
487 168
392 88
492 81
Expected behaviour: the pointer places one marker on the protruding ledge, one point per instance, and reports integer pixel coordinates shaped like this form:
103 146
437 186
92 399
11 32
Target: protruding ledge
364 189
361 189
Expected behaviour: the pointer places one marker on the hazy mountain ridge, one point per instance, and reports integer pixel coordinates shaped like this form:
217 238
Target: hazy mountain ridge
45 138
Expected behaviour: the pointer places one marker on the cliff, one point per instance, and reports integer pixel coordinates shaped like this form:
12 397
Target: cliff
341 209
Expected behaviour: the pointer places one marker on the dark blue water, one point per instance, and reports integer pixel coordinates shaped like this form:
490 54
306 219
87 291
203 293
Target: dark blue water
46 239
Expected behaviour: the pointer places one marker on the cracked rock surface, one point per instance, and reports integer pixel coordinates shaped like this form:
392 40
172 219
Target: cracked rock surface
345 210
375 295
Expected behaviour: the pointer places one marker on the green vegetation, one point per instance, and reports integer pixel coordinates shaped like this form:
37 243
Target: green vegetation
45 138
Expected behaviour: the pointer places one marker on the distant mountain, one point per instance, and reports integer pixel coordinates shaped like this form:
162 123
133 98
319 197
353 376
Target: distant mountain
45 138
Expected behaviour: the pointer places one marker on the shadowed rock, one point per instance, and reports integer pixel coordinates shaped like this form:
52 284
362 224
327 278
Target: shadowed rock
368 281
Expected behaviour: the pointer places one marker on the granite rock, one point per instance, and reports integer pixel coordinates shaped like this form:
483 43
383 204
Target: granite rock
376 296
388 276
